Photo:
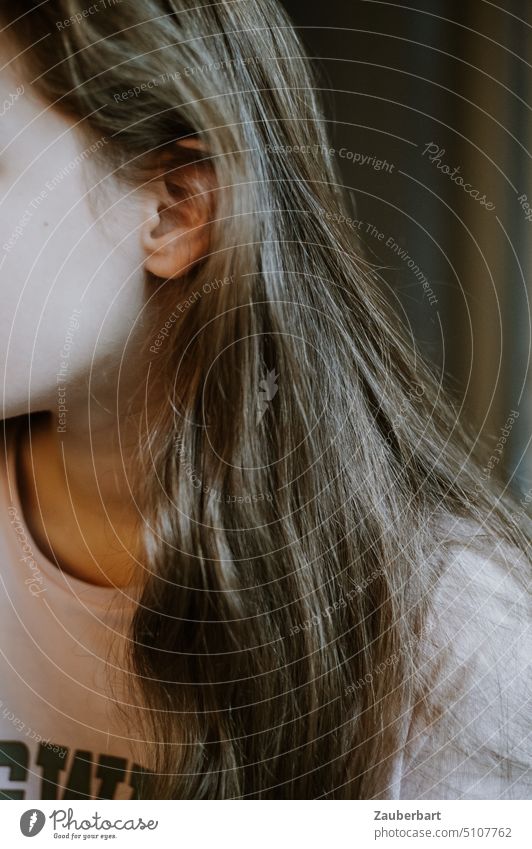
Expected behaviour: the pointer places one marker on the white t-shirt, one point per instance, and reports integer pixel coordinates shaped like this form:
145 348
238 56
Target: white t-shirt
60 640
479 743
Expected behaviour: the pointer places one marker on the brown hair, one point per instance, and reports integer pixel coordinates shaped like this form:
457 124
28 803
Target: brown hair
293 536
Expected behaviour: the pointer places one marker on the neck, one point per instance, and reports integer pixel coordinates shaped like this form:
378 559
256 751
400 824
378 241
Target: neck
75 481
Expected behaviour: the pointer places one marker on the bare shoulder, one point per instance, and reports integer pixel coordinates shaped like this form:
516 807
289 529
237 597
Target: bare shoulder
473 739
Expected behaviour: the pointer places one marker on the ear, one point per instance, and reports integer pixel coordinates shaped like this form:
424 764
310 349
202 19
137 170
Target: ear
178 212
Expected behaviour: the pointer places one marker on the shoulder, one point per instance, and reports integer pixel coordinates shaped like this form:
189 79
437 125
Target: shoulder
471 737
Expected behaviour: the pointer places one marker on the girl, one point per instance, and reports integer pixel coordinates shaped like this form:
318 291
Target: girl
247 549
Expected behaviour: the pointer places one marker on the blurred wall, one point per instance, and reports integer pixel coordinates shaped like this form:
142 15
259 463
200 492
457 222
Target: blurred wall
420 95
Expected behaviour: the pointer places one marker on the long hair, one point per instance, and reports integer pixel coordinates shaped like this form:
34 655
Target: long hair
295 482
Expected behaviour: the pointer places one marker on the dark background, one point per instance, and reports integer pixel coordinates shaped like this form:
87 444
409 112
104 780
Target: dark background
396 77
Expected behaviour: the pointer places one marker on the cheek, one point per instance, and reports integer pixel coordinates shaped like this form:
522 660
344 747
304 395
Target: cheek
32 282
68 283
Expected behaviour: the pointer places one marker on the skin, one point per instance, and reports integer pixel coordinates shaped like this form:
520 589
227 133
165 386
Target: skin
85 246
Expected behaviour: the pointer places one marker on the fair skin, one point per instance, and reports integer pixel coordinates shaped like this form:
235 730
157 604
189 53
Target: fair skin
85 251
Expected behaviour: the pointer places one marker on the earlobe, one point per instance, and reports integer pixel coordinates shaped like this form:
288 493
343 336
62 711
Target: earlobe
175 235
